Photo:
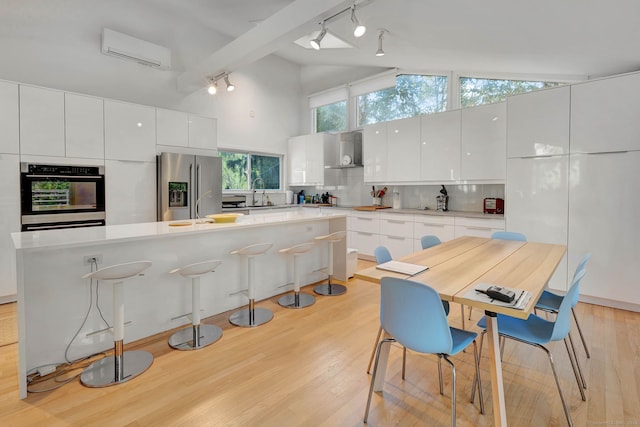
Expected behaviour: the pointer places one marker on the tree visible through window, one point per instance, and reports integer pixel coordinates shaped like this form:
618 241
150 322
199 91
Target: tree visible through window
412 96
237 168
332 117
487 91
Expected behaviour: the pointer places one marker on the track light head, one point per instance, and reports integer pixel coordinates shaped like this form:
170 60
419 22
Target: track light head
230 86
213 87
358 30
380 52
315 43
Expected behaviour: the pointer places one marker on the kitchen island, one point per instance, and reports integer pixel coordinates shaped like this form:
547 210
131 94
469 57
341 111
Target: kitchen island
53 299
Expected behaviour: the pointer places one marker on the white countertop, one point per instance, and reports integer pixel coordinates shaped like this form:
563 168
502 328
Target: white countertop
118 233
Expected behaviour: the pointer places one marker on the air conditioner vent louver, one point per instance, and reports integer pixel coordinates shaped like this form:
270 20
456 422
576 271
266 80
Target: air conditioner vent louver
132 49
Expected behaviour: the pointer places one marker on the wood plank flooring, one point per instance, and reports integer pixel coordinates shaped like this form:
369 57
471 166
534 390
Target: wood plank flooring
308 368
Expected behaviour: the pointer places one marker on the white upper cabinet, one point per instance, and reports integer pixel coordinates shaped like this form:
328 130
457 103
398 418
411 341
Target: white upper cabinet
41 121
297 153
440 146
130 131
203 132
374 152
84 126
538 123
484 142
9 119
306 155
403 150
604 115
172 128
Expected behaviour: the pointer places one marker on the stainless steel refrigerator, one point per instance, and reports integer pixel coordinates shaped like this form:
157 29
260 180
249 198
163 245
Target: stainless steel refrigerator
188 186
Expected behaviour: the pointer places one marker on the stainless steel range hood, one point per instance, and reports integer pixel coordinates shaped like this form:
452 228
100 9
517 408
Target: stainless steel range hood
348 153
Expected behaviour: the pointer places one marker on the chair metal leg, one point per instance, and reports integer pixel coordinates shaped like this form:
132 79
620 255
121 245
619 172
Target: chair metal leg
373 377
470 309
453 390
576 370
555 375
475 380
373 351
477 377
582 383
584 343
440 373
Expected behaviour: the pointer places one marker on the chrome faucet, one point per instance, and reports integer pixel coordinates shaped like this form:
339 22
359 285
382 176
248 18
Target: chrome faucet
253 188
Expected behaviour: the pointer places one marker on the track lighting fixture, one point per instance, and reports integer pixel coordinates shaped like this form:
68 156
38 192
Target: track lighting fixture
358 30
213 83
380 52
315 43
230 86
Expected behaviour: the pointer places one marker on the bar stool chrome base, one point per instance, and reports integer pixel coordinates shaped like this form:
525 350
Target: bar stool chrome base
297 300
102 373
330 289
195 337
248 318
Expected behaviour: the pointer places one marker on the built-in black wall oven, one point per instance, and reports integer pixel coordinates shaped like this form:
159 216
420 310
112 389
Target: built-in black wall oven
61 196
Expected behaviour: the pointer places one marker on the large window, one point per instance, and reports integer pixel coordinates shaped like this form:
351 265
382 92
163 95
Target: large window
332 117
246 171
487 91
412 96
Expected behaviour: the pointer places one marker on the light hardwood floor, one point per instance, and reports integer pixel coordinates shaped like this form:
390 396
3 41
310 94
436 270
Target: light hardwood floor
308 368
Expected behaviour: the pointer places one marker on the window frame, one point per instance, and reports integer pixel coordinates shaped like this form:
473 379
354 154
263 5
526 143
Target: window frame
247 172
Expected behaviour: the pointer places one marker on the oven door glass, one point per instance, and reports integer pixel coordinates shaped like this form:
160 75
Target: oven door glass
60 195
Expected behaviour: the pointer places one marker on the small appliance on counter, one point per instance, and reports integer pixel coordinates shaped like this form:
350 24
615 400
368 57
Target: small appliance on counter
493 205
442 201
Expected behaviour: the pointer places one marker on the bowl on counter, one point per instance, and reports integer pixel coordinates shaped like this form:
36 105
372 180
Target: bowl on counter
225 217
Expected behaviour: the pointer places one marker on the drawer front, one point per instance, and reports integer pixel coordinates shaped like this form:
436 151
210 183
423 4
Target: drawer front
496 223
364 223
365 243
443 232
402 226
433 219
398 246
474 231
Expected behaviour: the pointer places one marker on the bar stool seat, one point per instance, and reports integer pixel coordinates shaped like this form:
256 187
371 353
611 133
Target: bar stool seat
198 336
297 299
329 288
251 316
122 365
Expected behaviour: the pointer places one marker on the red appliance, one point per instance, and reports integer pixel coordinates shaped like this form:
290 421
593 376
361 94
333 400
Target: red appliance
493 206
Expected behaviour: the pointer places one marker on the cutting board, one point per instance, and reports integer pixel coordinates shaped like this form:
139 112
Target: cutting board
370 208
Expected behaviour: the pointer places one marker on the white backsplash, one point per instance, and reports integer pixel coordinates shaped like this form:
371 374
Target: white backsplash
348 185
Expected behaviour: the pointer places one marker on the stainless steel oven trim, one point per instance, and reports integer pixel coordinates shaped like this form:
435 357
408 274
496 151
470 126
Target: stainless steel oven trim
63 217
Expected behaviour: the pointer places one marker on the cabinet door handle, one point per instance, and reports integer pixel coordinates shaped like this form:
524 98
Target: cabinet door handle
396 221
478 228
363 219
364 234
397 237
432 225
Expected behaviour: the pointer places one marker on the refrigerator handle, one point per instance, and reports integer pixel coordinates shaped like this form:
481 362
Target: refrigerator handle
198 195
192 191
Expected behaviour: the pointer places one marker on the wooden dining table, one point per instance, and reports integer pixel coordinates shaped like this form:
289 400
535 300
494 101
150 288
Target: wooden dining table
457 266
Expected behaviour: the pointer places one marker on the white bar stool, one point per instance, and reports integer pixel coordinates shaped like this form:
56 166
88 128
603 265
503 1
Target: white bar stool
122 365
198 336
252 316
297 299
329 288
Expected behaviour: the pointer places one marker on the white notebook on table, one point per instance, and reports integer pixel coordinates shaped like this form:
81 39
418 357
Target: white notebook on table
402 267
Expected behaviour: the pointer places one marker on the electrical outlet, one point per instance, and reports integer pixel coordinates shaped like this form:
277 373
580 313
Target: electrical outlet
88 259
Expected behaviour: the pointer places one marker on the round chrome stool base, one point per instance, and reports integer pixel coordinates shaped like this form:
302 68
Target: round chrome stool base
245 319
102 372
330 289
289 300
183 339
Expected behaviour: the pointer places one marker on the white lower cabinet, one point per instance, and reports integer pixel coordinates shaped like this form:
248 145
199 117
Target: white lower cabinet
364 242
443 227
396 233
477 227
130 189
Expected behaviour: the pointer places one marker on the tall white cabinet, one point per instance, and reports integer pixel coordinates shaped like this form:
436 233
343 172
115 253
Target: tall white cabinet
537 188
9 121
41 121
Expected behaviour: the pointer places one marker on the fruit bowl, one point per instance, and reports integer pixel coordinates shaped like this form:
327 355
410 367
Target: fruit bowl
224 217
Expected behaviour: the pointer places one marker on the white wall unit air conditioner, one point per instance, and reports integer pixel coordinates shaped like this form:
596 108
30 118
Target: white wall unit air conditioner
130 48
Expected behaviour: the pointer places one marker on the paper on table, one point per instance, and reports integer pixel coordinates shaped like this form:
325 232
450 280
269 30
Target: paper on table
519 303
402 267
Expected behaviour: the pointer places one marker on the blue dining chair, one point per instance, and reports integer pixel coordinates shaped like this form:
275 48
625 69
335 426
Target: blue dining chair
509 235
537 332
429 241
382 254
412 313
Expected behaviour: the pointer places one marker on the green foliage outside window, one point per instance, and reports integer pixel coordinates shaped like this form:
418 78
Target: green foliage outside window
412 96
332 117
487 91
265 171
